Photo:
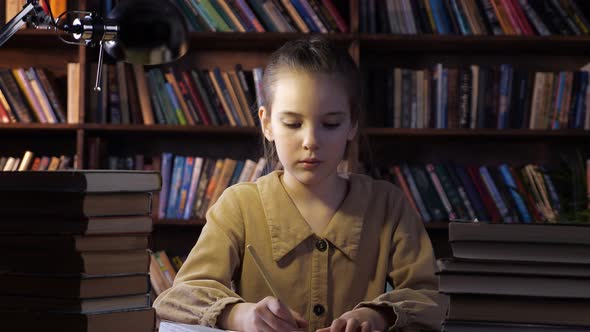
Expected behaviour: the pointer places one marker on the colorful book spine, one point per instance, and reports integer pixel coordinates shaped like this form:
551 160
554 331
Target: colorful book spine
166 172
493 190
414 191
441 192
189 164
518 199
175 183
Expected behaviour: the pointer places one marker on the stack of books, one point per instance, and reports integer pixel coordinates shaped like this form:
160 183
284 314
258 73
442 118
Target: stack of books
75 249
517 277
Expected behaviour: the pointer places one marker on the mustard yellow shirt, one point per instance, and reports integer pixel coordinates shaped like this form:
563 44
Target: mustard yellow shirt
375 236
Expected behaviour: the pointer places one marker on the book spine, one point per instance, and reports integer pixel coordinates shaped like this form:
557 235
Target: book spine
175 104
261 13
276 17
414 191
51 94
402 183
192 94
143 93
491 17
226 17
206 173
223 93
213 15
534 18
258 72
306 16
27 90
486 199
166 171
441 193
185 185
245 8
241 15
565 17
235 19
190 118
518 200
175 183
200 94
493 190
211 92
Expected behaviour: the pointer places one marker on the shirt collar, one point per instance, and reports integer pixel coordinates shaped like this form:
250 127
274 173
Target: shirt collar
288 229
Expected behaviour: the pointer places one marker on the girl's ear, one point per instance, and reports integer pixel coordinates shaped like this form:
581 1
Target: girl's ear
352 131
264 117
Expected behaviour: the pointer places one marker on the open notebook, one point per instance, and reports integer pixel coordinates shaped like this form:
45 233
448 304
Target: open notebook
179 327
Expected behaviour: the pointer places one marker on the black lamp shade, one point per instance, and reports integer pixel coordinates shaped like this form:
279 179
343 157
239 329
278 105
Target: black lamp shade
150 32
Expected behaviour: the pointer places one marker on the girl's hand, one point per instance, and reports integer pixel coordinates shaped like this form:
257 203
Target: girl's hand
269 314
358 320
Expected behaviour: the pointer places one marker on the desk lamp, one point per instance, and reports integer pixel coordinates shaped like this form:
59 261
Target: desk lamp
147 32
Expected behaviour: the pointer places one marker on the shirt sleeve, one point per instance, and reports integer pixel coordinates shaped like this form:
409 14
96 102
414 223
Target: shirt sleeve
415 299
202 288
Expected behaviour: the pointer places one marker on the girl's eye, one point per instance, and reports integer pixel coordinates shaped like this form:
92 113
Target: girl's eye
292 125
331 125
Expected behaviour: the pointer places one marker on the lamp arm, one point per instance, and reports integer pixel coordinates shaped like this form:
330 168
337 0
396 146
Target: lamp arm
15 23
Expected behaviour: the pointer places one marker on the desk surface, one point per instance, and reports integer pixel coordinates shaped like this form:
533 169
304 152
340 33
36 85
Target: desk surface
179 327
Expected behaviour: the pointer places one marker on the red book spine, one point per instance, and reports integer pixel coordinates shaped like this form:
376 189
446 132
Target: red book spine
404 185
522 19
4 118
340 22
196 98
483 193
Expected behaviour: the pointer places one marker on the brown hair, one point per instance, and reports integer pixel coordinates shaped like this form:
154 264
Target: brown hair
311 55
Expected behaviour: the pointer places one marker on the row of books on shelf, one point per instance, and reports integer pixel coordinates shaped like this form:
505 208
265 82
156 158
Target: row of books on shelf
318 16
476 96
475 17
441 192
163 270
191 185
30 95
172 96
29 162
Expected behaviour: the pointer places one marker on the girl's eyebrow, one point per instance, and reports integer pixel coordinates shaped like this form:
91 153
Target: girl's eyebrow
290 113
293 113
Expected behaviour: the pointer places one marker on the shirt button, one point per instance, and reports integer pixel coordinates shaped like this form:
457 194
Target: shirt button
322 245
318 309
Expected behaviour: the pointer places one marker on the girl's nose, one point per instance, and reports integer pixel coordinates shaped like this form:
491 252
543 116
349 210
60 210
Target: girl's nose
310 141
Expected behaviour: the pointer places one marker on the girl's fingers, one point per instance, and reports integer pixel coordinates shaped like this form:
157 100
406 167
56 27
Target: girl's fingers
301 322
261 325
276 315
352 325
366 327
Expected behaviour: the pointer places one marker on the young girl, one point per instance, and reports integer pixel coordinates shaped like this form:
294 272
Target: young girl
330 243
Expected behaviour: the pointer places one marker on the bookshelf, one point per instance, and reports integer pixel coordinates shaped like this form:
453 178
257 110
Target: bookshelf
381 146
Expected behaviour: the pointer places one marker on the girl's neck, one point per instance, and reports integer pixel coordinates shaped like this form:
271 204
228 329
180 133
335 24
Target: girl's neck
330 191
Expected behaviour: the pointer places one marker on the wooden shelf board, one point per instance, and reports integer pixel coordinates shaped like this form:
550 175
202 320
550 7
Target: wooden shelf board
33 38
254 40
473 133
550 45
249 131
38 126
171 129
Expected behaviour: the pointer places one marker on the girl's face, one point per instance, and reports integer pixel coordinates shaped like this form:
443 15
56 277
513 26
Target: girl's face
310 124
